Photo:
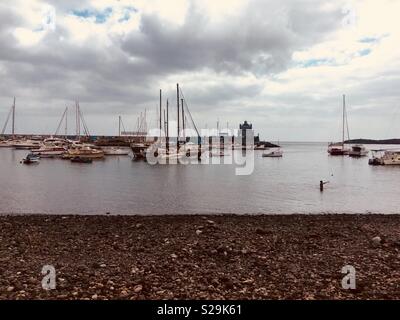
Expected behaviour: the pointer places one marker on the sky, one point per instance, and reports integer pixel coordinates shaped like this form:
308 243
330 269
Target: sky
281 65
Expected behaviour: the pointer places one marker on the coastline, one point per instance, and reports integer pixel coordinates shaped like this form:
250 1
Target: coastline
200 256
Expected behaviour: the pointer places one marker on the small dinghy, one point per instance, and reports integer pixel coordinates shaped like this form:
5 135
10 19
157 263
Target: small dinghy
273 154
31 158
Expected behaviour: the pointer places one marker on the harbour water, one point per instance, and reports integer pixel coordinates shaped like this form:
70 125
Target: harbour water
118 185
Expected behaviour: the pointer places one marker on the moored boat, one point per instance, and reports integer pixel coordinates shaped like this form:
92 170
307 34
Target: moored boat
358 151
83 152
273 154
31 158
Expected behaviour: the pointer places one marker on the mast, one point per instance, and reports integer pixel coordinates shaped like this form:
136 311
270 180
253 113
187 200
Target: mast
119 126
183 122
66 123
177 102
167 138
160 111
13 119
344 110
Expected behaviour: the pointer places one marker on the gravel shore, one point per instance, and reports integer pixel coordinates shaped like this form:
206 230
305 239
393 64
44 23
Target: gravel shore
200 257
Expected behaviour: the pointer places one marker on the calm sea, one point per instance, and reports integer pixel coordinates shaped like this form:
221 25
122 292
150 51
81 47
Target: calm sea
278 185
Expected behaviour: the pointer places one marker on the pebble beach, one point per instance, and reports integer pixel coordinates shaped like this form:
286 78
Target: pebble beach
200 257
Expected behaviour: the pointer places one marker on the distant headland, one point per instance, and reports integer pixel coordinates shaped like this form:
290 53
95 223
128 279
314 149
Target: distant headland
372 141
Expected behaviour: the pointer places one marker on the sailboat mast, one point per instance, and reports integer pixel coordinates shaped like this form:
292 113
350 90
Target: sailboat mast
183 121
167 138
177 103
344 117
66 123
119 126
13 120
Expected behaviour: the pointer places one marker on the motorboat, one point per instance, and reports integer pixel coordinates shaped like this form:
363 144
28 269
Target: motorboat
358 151
83 152
113 151
26 144
50 151
6 143
273 154
31 158
390 157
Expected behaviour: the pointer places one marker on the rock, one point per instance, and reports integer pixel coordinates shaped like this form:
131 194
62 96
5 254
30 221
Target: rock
376 241
199 232
138 288
103 265
94 297
174 256
124 293
10 289
211 222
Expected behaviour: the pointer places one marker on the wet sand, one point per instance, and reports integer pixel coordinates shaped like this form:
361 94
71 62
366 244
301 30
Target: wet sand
200 257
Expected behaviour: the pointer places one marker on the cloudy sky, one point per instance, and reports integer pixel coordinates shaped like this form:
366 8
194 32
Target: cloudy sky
282 65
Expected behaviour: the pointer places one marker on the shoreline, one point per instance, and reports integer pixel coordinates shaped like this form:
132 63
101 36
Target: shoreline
207 256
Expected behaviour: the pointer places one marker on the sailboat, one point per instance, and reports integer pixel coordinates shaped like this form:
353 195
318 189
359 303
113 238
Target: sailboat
339 148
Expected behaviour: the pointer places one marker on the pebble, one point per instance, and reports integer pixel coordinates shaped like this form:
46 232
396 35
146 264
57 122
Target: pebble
94 297
376 241
10 289
138 288
199 232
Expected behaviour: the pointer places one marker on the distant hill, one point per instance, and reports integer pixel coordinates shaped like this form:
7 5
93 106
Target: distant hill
371 141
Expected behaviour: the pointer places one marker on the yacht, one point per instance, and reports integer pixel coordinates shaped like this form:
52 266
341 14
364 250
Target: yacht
390 157
358 151
26 144
113 151
5 143
83 152
339 148
49 151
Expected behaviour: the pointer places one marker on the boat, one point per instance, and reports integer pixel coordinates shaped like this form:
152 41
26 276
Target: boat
390 157
81 160
5 144
31 158
273 154
358 150
50 151
139 150
113 151
26 144
260 147
83 152
339 148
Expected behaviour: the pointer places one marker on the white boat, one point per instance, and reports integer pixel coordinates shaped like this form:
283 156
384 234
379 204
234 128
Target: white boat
31 158
26 144
358 150
273 154
83 152
5 144
49 151
339 148
112 151
390 157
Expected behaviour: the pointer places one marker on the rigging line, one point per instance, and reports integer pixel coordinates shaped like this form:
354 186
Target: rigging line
60 123
85 127
347 125
6 123
188 111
